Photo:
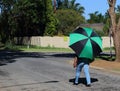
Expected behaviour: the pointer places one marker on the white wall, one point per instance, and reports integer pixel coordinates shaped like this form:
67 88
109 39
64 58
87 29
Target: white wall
60 42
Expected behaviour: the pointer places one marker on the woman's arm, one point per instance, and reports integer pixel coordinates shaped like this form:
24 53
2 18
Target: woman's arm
75 62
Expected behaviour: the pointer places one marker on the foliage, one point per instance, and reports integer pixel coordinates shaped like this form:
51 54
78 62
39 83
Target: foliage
95 17
5 7
70 4
28 18
107 24
68 20
37 18
51 20
69 15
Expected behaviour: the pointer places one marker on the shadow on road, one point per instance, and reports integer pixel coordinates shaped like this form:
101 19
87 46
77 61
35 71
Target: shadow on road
107 56
73 55
83 80
64 55
27 84
7 56
104 55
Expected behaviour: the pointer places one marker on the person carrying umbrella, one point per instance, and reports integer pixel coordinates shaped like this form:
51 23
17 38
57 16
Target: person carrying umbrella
86 44
82 63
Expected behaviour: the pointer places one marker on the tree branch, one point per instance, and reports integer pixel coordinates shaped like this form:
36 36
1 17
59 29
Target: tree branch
111 2
112 15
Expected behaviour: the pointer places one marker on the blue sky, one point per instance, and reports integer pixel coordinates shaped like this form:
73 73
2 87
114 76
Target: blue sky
95 5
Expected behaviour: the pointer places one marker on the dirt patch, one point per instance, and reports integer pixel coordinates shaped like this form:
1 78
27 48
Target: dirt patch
108 65
104 64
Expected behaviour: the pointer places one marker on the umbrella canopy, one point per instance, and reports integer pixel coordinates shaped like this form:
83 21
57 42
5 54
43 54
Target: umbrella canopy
85 42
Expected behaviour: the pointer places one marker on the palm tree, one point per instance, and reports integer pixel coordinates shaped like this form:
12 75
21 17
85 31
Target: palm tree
96 17
93 17
66 4
76 6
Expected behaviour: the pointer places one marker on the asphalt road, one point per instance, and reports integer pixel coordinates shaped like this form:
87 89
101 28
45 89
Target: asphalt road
49 72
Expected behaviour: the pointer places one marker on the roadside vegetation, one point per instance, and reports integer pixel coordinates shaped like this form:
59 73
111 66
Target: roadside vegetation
33 48
27 18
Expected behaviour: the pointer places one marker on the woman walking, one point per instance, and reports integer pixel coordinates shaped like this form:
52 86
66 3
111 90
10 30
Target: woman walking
80 63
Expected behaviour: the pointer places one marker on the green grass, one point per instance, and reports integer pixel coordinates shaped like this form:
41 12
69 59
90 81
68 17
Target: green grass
38 49
44 49
107 49
33 48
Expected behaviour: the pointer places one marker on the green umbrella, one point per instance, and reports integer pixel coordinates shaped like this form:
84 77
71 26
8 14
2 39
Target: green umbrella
85 42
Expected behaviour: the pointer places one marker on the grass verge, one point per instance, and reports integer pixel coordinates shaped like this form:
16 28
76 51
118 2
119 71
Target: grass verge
38 49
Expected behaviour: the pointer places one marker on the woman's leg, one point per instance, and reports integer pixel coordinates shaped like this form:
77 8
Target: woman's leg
87 74
78 71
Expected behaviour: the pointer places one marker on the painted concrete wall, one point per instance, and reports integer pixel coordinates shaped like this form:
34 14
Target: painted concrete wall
60 42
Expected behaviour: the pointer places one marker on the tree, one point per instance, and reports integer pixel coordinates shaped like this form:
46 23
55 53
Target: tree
76 6
68 20
5 31
67 4
95 17
106 23
51 21
28 18
69 15
115 28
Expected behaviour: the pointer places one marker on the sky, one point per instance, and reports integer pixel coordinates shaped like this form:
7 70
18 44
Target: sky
95 5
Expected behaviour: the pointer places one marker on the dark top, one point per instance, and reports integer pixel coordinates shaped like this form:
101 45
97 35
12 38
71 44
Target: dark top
85 60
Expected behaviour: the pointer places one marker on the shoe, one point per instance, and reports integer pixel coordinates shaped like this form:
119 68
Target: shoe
88 85
75 83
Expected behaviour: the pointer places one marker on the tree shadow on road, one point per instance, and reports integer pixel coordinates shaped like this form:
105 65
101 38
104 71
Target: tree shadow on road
27 84
83 80
107 56
70 55
8 56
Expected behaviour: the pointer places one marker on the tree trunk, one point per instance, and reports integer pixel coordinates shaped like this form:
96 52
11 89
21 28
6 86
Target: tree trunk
54 6
116 39
115 28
